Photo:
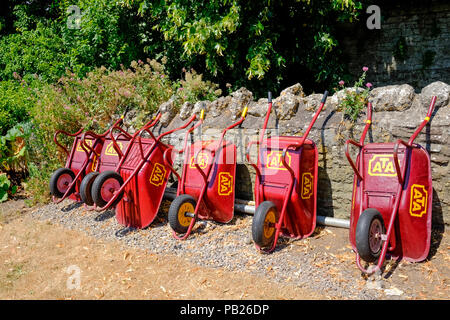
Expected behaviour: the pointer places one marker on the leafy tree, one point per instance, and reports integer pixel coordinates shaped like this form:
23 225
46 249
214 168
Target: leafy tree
259 44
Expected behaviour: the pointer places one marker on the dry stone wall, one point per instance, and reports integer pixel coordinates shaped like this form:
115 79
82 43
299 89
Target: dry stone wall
398 111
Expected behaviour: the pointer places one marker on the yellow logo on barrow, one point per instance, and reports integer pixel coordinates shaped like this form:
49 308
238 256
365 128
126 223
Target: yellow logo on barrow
382 165
274 160
203 160
88 142
225 184
110 151
418 203
158 175
307 185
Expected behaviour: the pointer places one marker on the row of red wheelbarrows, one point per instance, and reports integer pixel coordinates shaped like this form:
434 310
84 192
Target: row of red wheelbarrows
391 200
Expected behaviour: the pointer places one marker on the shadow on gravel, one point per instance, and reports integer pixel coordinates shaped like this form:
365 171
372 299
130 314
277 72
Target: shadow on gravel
281 244
71 206
105 215
438 226
393 267
124 232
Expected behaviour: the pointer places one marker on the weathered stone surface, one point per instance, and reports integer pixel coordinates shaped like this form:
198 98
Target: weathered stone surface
240 99
168 112
198 106
392 98
286 106
186 110
296 90
439 89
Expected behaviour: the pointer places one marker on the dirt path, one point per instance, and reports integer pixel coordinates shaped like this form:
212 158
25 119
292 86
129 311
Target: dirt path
38 245
36 257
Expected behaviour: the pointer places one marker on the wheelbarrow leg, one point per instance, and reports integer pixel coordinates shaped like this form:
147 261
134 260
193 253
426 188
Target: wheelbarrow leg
279 223
195 215
385 238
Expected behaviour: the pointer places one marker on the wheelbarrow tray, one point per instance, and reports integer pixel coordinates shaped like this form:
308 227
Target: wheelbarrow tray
218 201
412 228
109 159
300 218
145 190
77 158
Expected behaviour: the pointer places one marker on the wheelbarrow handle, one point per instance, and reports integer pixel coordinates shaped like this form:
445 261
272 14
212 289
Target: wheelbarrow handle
138 135
400 174
424 122
85 146
322 104
166 162
349 158
324 97
204 175
294 146
55 138
158 139
249 160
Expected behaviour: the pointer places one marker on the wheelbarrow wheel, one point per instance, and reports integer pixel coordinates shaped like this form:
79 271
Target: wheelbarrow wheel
369 229
178 220
104 188
86 188
60 181
263 225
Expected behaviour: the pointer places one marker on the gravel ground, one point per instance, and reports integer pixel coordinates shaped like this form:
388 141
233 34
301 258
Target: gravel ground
229 246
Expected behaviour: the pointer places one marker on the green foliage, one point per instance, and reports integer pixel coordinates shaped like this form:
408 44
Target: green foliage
16 98
194 89
272 42
257 44
39 52
400 51
109 35
5 187
356 98
13 157
13 150
94 101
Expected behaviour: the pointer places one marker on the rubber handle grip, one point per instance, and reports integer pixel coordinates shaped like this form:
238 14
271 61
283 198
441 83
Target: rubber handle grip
325 95
269 96
244 113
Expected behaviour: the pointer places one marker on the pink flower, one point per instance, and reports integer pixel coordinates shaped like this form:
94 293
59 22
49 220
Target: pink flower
365 69
341 83
369 85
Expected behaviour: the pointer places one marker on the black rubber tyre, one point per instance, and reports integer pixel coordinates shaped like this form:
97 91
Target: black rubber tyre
369 228
54 190
264 219
177 220
98 186
86 188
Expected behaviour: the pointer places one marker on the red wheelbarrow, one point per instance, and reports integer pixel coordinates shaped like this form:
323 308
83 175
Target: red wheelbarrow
108 157
392 183
65 182
285 186
136 186
206 187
